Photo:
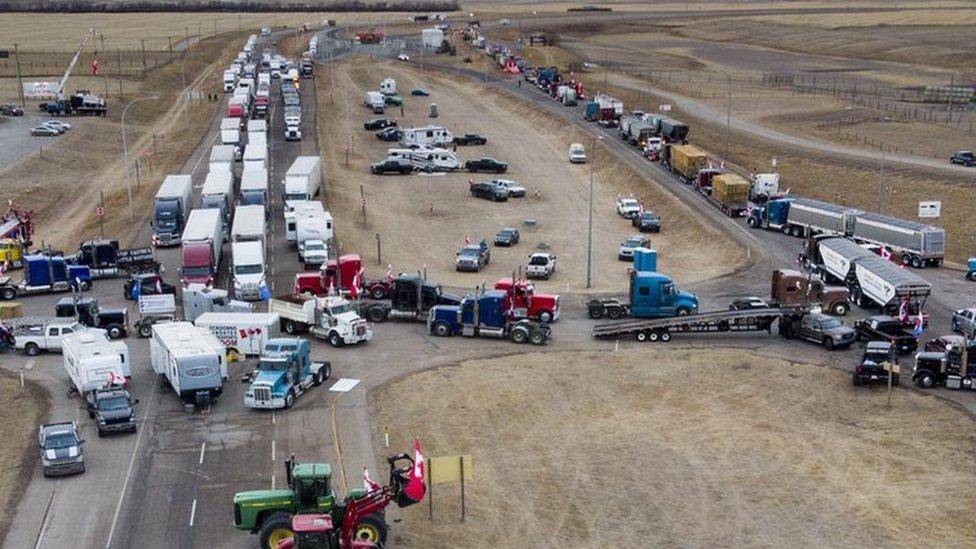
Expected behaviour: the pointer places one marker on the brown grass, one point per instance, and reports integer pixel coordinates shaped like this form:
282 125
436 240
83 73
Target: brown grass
686 448
23 410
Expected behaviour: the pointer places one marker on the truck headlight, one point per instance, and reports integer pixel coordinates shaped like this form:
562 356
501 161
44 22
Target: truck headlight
237 284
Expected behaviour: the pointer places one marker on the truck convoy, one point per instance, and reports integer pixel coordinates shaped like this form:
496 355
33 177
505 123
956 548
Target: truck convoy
171 209
284 373
303 180
203 240
190 360
45 274
331 318
486 314
92 361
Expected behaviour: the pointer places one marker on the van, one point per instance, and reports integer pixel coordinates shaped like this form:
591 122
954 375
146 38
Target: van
577 153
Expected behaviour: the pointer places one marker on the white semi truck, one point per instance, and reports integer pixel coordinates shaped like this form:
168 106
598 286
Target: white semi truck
331 318
303 180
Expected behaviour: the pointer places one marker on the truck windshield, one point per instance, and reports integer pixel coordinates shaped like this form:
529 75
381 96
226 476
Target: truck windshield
196 271
60 440
113 403
539 260
248 269
296 196
830 323
274 364
340 309
167 215
250 198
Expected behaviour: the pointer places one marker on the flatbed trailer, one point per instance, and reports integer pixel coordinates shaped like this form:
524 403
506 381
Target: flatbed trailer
661 329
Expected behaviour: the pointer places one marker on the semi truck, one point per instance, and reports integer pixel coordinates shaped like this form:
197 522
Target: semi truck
218 192
339 274
331 318
913 243
791 288
685 160
486 314
242 334
92 361
199 299
249 225
951 367
255 156
303 180
115 321
411 297
104 258
170 209
254 188
222 158
527 302
651 294
44 275
203 240
672 130
250 282
284 373
190 360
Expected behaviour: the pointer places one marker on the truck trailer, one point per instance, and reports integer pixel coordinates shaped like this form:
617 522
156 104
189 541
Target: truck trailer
331 318
243 334
92 361
913 243
872 281
190 360
218 193
202 240
730 193
303 180
685 160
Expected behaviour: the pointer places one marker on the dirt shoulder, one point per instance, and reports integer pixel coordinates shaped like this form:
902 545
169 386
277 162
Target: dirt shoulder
24 409
680 447
423 220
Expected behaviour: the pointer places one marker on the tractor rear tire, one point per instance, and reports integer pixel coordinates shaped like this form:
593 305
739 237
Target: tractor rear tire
371 528
537 337
614 312
376 314
519 335
274 530
596 313
145 330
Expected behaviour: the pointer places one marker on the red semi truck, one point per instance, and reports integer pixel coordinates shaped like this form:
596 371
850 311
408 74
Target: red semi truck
340 277
527 303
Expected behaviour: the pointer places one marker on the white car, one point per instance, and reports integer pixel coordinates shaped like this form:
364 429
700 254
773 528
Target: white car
541 265
633 242
628 207
403 57
57 124
514 189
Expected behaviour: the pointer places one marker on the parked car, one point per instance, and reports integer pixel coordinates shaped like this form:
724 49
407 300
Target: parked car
419 92
58 125
148 283
11 110
403 57
633 242
628 207
390 133
963 158
470 139
486 164
507 237
489 191
514 189
541 265
111 407
44 131
62 450
888 329
964 322
378 124
871 367
647 221
392 165
821 329
748 304
473 257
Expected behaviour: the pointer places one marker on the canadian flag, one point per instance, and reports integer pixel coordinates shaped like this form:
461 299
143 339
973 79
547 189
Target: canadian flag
389 272
885 254
919 325
357 280
903 311
467 240
369 484
115 379
94 67
415 488
159 286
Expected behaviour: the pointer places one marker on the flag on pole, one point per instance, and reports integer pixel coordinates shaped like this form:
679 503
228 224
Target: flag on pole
919 325
94 67
467 240
903 311
369 484
115 379
357 280
389 272
415 488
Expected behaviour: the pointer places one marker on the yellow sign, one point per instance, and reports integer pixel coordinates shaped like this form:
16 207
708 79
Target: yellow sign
448 468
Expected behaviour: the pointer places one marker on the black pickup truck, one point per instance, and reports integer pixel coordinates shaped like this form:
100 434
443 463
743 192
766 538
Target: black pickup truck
886 328
871 368
113 321
112 408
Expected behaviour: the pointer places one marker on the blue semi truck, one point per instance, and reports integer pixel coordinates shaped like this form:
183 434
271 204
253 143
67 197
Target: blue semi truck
651 294
486 314
46 274
285 372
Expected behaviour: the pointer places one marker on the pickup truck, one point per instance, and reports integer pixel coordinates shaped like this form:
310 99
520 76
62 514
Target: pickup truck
62 450
486 164
34 337
887 329
541 265
871 367
818 328
964 322
112 408
470 139
472 257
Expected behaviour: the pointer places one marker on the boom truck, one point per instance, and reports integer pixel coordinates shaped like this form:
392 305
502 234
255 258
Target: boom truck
284 373
171 209
486 314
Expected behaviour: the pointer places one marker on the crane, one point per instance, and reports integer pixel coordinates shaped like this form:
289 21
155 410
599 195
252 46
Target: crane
74 61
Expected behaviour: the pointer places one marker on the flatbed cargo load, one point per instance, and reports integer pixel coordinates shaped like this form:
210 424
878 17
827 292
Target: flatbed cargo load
686 160
731 193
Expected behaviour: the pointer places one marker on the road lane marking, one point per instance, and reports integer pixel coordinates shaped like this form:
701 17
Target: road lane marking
128 473
193 511
272 418
203 448
272 451
47 515
338 447
272 481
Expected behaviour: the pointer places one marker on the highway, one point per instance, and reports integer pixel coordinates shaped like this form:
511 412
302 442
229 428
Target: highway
172 483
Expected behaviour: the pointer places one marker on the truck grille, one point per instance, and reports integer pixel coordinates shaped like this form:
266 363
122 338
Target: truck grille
360 329
262 393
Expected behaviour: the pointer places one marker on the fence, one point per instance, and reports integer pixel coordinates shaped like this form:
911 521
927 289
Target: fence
128 64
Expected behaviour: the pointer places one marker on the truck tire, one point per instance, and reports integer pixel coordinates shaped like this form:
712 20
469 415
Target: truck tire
665 336
115 332
537 337
653 336
84 285
377 292
7 293
682 311
519 335
145 330
641 336
969 276
828 344
32 349
376 314
291 327
906 259
614 312
441 330
787 230
596 313
840 309
925 380
334 339
323 374
372 528
545 317
274 530
751 222
289 400
917 262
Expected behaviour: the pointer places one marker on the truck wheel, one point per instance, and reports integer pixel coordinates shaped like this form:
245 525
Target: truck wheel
145 330
665 337
371 528
596 313
641 336
377 292
917 262
615 312
321 375
441 330
274 530
682 311
653 336
376 314
289 400
114 332
925 380
334 339
545 317
32 349
519 335
787 230
308 293
8 293
906 259
290 327
828 344
969 276
751 222
840 309
84 285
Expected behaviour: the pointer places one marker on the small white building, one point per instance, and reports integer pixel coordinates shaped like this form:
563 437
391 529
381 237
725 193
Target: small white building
431 38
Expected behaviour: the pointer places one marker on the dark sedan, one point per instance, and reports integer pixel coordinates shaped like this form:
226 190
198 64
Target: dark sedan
507 237
391 133
470 139
486 164
647 222
11 110
378 124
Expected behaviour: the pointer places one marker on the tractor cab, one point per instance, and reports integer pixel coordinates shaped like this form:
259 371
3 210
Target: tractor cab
311 484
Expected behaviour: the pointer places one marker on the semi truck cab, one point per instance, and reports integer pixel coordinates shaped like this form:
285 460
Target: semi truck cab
284 373
655 295
527 303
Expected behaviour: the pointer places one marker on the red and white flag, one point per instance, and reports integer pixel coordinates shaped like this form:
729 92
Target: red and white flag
94 67
903 311
389 272
369 484
331 290
115 379
885 253
919 325
415 488
159 285
467 240
357 281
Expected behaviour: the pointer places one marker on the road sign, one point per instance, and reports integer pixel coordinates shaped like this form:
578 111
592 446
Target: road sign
665 107
99 211
929 208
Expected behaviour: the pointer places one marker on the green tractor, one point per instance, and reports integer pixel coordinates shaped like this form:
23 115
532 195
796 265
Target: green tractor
268 513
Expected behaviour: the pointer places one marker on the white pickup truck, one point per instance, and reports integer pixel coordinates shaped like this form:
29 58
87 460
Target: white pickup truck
332 318
39 335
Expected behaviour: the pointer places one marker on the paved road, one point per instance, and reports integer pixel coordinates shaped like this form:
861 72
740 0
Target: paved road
171 485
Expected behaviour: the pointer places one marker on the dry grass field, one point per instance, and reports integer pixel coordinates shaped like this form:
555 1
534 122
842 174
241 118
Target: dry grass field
535 146
680 448
18 453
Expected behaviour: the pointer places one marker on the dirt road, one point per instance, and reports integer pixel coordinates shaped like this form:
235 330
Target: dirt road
422 220
681 447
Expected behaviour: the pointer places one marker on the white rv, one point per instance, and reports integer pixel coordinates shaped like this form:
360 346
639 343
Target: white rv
90 358
426 136
428 160
375 101
192 361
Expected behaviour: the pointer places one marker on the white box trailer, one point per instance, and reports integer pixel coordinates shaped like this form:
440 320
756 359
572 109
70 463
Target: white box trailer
375 102
90 359
426 136
241 333
915 244
249 224
257 126
222 157
218 192
295 207
808 216
205 226
255 156
231 124
191 360
254 188
303 180
312 223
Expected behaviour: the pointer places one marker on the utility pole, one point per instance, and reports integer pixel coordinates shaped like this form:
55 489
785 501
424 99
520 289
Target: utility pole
881 179
143 41
101 39
169 41
20 80
186 45
118 63
728 120
952 84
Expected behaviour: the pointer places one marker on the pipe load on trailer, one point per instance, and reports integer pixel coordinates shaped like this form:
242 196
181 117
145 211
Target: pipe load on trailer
915 244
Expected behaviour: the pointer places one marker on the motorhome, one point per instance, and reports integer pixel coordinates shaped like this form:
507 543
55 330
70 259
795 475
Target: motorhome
91 360
428 160
426 136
